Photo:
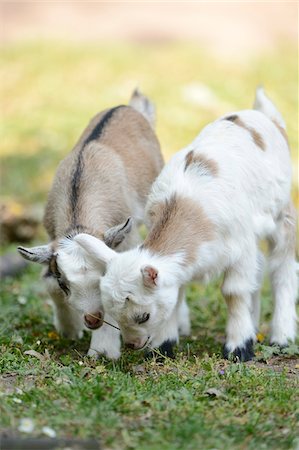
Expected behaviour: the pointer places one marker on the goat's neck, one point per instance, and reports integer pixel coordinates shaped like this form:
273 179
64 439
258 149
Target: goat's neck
179 227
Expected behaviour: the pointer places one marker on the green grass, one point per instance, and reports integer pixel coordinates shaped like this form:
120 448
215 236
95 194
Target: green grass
49 92
133 403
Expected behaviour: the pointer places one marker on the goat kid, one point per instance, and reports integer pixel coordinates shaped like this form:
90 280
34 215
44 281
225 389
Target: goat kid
210 206
97 188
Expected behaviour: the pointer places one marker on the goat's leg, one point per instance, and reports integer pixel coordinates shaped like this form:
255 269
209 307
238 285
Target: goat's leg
179 324
255 296
238 287
105 341
183 313
68 322
168 337
283 277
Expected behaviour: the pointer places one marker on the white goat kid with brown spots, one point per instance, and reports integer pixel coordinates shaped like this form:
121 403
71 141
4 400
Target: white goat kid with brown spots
210 206
97 187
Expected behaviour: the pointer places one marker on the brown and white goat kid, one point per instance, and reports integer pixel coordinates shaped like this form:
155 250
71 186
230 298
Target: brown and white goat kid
209 208
97 188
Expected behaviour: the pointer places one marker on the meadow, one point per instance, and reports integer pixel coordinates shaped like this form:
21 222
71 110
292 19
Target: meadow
50 90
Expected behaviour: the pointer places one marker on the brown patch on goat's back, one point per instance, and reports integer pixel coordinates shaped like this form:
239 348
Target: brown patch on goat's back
200 160
282 131
256 136
179 225
118 168
134 142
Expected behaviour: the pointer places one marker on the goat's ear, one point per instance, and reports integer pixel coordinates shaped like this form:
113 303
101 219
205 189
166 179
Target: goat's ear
41 254
115 235
95 248
150 276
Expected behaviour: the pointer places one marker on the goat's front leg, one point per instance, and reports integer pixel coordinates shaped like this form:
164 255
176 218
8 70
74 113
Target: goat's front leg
238 286
67 321
105 341
168 336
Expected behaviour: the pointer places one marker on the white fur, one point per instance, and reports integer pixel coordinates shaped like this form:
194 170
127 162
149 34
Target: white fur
245 202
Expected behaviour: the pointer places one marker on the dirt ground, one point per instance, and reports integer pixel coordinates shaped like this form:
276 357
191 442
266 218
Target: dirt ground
236 29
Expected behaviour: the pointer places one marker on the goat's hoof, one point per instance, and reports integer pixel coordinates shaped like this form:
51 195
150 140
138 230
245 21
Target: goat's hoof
280 344
165 350
240 354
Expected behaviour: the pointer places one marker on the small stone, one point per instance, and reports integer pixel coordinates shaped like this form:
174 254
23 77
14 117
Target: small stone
138 369
49 432
213 392
22 300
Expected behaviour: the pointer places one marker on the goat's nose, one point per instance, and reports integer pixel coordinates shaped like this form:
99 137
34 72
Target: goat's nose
93 321
130 345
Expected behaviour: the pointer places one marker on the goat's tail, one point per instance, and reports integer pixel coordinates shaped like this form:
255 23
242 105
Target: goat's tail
143 105
263 104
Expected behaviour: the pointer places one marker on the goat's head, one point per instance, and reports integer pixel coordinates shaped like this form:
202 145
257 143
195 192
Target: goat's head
72 274
136 291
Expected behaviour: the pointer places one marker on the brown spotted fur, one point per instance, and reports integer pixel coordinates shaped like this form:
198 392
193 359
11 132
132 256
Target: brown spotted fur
121 164
178 225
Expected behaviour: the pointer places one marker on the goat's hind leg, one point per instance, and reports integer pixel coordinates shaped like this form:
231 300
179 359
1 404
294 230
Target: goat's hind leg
283 275
255 296
183 313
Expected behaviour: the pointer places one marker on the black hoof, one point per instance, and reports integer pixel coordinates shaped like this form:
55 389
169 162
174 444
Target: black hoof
245 353
166 349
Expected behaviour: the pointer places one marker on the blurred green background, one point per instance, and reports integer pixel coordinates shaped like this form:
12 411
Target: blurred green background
60 65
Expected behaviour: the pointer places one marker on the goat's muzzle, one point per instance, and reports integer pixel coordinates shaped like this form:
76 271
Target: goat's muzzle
93 321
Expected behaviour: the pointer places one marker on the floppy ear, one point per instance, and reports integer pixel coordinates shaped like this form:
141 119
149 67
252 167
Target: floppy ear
40 254
95 248
150 276
115 235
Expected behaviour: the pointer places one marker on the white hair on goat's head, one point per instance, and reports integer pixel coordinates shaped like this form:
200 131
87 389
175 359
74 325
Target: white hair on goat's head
77 276
138 295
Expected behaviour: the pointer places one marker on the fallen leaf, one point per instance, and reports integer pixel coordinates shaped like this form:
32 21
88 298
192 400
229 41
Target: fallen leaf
35 354
53 335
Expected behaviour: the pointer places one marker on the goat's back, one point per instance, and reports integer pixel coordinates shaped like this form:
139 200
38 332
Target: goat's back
107 176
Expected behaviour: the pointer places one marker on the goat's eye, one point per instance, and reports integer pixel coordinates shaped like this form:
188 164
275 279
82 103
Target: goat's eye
63 286
142 318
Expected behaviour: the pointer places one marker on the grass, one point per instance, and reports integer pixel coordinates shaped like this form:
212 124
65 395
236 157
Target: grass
133 403
49 92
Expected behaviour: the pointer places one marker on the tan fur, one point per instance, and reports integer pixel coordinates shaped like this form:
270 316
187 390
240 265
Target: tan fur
119 169
257 138
201 160
282 131
179 225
